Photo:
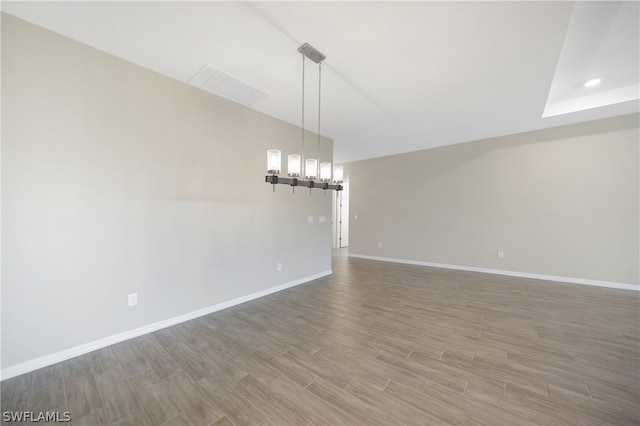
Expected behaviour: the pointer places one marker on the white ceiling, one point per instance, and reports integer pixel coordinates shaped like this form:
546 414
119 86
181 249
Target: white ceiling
399 76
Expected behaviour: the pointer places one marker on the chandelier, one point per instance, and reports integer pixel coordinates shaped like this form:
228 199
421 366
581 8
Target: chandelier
317 174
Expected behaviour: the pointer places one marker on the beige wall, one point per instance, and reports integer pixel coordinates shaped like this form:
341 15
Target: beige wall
118 180
561 202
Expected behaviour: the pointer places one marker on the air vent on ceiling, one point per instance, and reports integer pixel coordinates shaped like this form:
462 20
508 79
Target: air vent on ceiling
220 83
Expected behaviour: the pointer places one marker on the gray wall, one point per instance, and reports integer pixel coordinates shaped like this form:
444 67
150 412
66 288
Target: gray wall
118 180
562 202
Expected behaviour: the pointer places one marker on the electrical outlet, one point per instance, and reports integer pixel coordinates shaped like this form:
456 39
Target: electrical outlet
355 216
310 219
379 245
132 299
323 219
279 266
500 254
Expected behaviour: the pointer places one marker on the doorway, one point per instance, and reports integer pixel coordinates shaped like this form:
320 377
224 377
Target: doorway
341 217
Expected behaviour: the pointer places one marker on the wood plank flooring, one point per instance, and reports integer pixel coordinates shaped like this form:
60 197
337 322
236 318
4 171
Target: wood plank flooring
375 343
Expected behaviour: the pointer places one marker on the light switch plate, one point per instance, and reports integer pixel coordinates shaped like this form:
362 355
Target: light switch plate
132 299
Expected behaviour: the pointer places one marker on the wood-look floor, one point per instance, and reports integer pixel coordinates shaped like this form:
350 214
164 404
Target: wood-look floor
375 343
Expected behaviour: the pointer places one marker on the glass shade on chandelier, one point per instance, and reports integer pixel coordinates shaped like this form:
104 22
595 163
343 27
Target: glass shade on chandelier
273 161
311 168
325 172
293 165
338 174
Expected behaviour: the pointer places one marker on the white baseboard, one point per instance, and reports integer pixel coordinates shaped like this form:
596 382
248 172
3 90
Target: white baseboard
26 367
609 284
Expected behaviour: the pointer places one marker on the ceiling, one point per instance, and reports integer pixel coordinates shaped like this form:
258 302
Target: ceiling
399 76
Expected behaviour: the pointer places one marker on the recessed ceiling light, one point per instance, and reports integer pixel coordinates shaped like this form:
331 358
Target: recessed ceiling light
593 82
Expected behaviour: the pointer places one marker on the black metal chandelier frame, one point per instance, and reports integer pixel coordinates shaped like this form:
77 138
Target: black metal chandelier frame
275 180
